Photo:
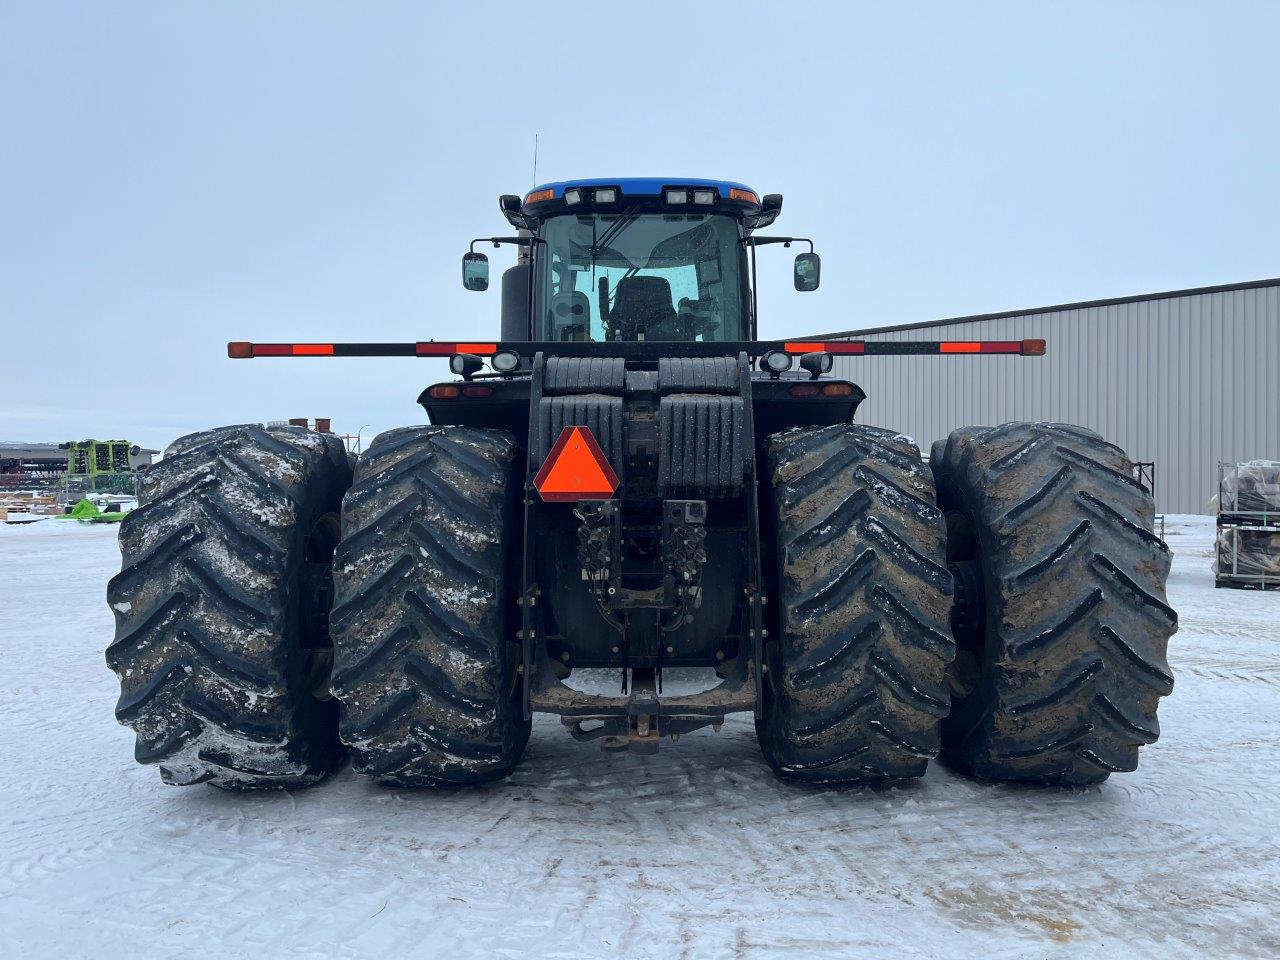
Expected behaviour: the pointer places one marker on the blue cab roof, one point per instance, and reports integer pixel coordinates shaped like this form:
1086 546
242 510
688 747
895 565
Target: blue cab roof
641 186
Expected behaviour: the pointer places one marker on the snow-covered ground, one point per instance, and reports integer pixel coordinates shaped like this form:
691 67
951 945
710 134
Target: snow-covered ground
698 852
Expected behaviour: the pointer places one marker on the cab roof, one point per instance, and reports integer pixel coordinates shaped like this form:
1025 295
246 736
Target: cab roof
641 186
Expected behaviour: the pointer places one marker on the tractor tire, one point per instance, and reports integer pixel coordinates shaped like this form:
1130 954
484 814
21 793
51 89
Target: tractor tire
856 682
219 645
1061 620
423 621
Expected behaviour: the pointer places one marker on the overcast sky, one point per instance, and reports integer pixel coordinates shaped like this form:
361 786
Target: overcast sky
175 175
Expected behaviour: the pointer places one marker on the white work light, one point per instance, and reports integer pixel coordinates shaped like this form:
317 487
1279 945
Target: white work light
704 197
606 195
505 361
677 196
572 196
777 362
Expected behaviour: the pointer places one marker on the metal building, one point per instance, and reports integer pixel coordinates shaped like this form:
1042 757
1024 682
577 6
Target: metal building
1183 379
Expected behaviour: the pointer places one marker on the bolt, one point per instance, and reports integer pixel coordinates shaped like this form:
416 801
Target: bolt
764 633
719 654
671 649
565 656
615 649
519 634
716 727
612 591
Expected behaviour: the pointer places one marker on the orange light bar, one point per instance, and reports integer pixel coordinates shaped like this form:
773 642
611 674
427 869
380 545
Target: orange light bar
819 346
290 349
539 195
747 195
245 350
1025 348
576 469
432 348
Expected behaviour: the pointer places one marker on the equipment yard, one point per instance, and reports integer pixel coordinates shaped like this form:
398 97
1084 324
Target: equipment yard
697 851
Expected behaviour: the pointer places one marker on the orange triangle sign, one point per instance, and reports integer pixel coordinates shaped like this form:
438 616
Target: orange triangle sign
576 469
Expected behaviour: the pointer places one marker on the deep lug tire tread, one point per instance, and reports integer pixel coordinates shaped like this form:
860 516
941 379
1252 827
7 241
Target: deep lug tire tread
207 641
857 677
424 663
1078 624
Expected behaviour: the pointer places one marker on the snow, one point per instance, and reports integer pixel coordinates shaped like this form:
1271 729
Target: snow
698 852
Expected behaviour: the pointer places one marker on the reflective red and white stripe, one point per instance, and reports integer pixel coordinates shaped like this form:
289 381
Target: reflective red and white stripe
243 350
1025 348
283 349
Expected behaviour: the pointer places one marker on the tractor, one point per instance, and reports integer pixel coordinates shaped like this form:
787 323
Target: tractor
627 483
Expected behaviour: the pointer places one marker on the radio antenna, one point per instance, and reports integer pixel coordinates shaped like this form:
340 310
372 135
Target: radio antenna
535 160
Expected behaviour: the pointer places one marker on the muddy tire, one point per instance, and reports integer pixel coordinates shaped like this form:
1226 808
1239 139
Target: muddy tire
223 668
856 684
1061 618
423 619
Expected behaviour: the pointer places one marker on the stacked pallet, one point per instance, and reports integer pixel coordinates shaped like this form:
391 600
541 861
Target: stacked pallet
1248 548
37 504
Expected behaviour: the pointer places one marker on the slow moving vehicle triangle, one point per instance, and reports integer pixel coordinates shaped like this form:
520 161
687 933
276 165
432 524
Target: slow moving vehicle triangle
576 469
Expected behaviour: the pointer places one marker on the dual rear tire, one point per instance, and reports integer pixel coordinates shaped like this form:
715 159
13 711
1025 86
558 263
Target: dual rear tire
856 678
223 663
233 668
1061 622
425 666
1003 605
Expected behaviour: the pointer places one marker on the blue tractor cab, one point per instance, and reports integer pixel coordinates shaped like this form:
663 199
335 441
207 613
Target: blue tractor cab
635 259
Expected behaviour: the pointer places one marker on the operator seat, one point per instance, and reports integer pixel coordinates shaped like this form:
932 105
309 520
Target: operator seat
642 306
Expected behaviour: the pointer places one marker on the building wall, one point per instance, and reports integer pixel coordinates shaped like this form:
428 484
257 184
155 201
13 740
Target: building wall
1184 380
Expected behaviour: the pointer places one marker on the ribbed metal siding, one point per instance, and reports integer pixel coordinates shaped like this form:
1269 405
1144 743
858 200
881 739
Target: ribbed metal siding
1184 381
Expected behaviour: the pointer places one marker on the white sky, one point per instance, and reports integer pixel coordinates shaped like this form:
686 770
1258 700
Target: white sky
173 176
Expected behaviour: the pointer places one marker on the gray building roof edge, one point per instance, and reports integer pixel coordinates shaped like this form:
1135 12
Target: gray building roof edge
1054 308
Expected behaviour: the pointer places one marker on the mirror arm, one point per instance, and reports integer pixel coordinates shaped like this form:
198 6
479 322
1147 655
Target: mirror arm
498 241
785 241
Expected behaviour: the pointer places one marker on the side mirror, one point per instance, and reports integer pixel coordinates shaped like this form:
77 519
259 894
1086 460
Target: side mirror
808 272
475 271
